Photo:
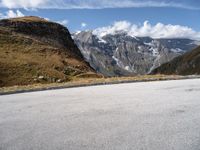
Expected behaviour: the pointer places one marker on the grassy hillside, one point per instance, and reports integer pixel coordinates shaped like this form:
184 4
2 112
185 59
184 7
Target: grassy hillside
187 64
34 50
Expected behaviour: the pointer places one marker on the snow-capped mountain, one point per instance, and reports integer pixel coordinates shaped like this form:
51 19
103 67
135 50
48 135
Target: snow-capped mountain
121 54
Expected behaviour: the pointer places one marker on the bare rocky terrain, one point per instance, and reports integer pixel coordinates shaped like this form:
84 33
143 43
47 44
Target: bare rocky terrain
120 54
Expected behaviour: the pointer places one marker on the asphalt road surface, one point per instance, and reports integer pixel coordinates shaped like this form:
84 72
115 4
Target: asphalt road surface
136 116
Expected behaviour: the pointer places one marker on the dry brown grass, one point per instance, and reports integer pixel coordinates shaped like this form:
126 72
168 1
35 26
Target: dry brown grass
29 19
78 81
22 59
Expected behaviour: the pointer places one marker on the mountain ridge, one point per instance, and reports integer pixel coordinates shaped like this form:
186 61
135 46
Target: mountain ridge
34 50
187 64
120 54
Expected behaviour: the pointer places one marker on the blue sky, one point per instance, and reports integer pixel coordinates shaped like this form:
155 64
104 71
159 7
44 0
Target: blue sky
92 14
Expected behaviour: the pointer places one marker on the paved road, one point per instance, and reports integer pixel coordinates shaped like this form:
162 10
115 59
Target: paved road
139 116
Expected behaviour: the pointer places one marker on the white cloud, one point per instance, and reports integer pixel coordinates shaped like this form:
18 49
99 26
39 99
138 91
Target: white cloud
115 28
83 24
159 30
11 14
23 3
93 4
63 22
46 18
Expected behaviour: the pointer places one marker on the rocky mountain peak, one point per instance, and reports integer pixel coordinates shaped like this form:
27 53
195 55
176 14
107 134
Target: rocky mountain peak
120 54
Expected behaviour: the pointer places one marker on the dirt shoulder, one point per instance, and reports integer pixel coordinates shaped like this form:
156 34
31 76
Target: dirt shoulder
82 82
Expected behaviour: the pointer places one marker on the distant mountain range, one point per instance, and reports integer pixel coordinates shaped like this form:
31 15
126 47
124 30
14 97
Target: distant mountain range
34 50
120 54
187 64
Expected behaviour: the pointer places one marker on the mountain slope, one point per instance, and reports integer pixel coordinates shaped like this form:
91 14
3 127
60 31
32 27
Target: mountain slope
35 50
120 54
187 64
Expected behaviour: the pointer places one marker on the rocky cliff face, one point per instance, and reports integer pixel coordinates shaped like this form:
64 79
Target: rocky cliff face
34 50
120 54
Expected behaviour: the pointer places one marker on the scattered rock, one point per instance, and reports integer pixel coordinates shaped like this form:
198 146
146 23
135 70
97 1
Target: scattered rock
59 80
41 77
